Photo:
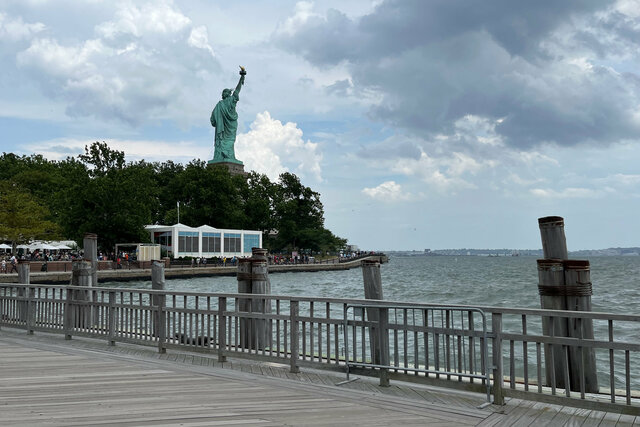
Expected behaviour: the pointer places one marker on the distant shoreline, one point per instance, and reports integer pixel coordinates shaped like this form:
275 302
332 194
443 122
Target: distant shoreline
630 251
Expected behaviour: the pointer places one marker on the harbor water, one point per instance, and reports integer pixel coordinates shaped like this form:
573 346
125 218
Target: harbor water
467 280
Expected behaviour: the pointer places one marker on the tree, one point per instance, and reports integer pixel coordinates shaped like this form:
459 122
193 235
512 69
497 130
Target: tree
167 182
115 200
99 192
299 217
22 218
103 159
258 194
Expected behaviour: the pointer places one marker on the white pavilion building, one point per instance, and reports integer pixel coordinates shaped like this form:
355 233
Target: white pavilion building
180 240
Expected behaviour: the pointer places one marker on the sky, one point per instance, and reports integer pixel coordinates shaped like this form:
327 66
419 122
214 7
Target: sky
422 123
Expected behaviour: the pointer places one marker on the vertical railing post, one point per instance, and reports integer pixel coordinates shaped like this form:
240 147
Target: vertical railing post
222 329
112 318
496 329
68 315
383 340
294 313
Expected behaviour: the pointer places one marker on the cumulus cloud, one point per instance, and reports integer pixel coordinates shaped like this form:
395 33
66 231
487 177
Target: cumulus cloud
149 150
521 69
388 191
567 193
272 148
149 61
14 28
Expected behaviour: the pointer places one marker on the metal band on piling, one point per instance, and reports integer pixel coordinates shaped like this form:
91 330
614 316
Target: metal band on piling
579 290
243 276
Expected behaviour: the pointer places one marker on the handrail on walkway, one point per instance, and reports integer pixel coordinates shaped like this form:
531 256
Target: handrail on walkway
312 332
392 329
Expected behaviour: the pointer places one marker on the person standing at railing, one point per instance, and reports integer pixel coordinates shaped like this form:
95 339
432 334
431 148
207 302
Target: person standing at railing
4 265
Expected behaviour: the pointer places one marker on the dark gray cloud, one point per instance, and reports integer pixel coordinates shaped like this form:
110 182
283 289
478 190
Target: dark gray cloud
531 67
340 87
387 149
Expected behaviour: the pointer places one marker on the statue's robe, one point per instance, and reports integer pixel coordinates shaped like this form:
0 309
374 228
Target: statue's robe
225 119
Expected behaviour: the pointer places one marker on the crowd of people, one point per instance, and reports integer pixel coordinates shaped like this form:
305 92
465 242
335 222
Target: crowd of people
290 259
9 261
214 261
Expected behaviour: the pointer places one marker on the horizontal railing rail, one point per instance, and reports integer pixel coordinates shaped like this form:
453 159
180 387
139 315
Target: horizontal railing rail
311 331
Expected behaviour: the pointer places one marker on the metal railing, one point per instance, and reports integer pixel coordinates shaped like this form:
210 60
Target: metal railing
436 341
312 332
520 357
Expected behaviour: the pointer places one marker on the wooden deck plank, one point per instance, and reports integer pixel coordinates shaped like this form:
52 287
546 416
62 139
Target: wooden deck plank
577 418
57 382
625 420
531 416
492 420
609 420
82 390
545 414
514 418
594 419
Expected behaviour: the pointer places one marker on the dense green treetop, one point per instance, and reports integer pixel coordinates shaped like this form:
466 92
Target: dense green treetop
99 192
22 218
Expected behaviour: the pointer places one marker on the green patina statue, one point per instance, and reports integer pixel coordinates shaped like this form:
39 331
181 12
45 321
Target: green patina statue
225 119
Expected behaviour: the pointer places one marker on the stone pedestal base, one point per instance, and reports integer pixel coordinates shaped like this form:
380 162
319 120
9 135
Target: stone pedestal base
233 168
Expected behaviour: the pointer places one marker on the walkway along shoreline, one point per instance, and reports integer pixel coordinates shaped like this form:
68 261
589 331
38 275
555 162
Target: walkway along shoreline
125 275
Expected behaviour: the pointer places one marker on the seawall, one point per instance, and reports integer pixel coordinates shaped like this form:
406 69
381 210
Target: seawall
124 275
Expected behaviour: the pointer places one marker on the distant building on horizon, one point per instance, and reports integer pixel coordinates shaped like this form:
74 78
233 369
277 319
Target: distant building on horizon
180 240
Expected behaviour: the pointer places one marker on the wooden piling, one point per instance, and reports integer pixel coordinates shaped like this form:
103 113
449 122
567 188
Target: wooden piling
582 360
24 277
570 291
552 297
90 245
81 275
158 301
244 304
260 284
554 242
551 290
373 290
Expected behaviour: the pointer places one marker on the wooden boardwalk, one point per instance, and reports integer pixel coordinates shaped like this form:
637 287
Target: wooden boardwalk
45 380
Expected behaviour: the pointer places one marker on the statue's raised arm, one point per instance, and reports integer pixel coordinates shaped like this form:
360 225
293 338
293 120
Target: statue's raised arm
243 73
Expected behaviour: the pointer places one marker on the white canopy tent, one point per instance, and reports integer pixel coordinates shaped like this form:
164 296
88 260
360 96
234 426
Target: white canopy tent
43 246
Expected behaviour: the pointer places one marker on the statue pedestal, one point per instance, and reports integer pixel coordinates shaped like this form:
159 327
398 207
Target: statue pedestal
233 168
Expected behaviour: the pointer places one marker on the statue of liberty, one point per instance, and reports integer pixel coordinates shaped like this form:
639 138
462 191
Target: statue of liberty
225 119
